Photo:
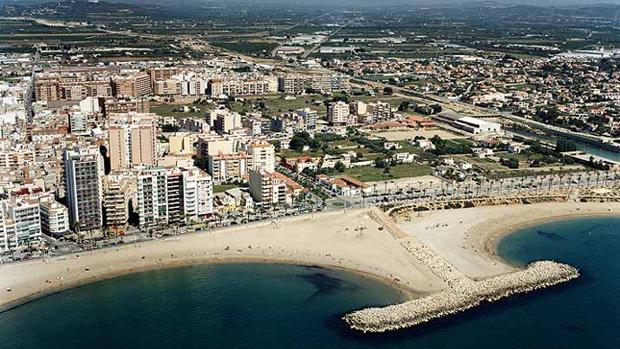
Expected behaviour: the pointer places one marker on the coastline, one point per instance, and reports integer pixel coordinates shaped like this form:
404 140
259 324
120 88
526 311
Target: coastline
327 241
492 244
468 237
406 293
332 240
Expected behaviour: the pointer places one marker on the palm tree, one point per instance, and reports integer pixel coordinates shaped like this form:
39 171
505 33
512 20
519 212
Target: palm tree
75 227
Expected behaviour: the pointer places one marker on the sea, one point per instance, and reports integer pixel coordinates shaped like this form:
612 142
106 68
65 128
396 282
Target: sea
292 306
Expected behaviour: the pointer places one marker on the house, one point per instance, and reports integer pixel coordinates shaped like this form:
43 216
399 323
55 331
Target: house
404 158
392 145
516 147
344 185
423 143
301 163
448 161
465 166
483 152
330 161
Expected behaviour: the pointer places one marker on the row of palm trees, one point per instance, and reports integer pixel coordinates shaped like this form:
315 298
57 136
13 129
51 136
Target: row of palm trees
542 182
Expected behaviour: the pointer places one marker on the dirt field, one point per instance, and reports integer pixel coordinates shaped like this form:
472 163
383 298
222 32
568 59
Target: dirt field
400 135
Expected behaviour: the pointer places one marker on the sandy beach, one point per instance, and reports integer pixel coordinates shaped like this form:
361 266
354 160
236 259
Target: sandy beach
468 237
353 240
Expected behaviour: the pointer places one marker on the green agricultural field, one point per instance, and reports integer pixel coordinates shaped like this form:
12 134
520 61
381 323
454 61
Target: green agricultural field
169 110
290 153
277 104
373 174
220 188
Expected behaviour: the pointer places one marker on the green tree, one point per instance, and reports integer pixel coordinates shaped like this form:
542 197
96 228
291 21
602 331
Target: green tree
340 167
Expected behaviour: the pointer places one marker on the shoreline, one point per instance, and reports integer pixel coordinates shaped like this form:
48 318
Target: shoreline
492 244
443 243
468 237
333 240
259 243
406 293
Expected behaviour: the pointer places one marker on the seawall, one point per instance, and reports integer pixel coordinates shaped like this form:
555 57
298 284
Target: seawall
536 276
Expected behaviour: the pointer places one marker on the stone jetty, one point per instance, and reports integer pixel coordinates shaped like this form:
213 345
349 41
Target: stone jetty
537 275
461 292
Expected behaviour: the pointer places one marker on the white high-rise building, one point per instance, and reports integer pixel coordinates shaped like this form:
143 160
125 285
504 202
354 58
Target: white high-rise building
152 201
20 223
267 189
338 113
173 196
197 194
54 217
263 156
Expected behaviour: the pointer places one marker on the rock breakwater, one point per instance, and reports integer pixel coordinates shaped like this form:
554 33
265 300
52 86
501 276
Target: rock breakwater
537 275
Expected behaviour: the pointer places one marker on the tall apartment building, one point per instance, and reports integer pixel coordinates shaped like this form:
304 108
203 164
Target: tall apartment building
78 123
294 84
83 167
20 223
359 108
253 124
197 194
380 110
263 156
54 217
73 87
167 87
225 122
209 144
338 113
124 105
267 189
135 85
116 202
47 90
90 105
251 86
226 167
309 116
162 73
330 82
215 88
152 201
173 196
132 140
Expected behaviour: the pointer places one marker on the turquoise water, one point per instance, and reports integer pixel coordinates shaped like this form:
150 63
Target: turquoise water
283 306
